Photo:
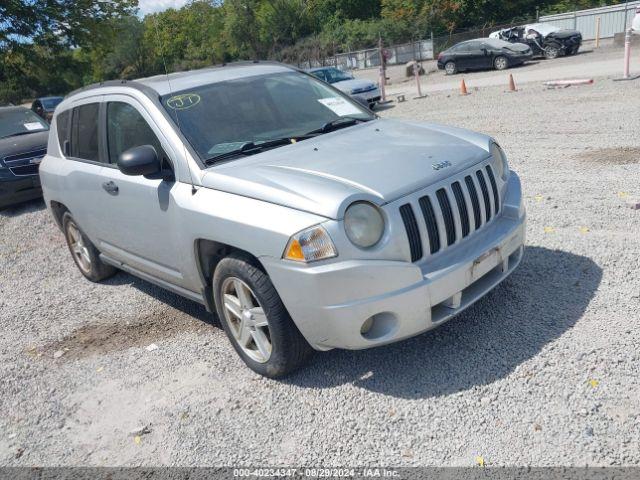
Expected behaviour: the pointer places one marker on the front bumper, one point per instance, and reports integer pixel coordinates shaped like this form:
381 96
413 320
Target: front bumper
14 189
372 96
330 303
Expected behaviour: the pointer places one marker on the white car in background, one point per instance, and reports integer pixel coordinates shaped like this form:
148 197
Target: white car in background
361 90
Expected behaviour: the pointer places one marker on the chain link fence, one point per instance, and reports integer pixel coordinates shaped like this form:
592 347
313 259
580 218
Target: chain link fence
613 20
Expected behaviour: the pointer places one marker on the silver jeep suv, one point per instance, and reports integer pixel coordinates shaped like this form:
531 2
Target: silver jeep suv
299 217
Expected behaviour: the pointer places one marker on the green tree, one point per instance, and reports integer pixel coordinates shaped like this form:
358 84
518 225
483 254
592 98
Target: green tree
56 22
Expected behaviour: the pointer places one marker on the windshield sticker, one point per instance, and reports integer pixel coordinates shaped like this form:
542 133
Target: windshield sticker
184 101
33 126
340 106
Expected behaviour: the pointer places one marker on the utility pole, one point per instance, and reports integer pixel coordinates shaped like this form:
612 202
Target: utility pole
383 70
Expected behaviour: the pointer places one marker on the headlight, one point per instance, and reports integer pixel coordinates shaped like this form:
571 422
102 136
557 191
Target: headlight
310 245
499 161
364 224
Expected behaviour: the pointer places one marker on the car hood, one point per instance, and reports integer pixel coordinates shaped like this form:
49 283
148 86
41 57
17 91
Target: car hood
23 143
564 34
378 161
348 85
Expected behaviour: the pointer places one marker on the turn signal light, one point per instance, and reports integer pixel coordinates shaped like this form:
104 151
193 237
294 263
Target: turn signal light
310 245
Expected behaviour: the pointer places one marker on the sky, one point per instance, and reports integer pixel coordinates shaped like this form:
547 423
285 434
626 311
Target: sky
153 6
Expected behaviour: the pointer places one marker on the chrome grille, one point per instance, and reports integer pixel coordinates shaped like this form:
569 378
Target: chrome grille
451 211
25 163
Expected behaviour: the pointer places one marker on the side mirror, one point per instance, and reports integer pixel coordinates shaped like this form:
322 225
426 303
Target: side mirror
141 160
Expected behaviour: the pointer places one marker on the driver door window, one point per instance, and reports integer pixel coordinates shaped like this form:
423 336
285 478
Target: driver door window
126 129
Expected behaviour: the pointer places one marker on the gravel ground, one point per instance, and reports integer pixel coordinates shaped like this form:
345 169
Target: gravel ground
543 371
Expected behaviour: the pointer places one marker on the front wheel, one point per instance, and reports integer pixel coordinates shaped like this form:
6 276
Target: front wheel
552 51
501 63
450 68
255 319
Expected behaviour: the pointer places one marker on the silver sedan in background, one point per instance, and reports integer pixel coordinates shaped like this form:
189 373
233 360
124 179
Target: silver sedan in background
364 91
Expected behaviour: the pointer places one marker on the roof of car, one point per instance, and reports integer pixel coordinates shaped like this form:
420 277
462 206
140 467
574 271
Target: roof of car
180 81
55 97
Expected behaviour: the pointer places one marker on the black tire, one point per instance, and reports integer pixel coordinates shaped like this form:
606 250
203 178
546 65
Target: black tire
289 349
574 50
91 267
500 63
552 51
450 68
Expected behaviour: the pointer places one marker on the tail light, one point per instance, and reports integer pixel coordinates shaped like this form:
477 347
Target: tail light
440 55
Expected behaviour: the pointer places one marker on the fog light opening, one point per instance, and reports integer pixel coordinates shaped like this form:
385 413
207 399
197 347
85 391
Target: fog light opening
366 326
379 326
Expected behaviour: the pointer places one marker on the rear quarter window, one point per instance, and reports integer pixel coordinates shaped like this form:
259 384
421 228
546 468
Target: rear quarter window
62 125
84 132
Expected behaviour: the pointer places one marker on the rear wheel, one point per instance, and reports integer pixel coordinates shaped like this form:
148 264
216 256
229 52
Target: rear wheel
552 51
450 68
501 63
255 319
85 255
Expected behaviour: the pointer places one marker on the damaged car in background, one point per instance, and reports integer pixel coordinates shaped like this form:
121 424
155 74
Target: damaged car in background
545 40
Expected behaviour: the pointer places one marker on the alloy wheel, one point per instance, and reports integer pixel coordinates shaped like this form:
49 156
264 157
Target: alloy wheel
78 247
450 68
246 319
552 52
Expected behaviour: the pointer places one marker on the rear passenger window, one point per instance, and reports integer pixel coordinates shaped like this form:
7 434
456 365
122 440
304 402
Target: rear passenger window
84 132
62 125
126 128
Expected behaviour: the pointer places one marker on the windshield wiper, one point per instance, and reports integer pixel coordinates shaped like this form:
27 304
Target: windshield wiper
337 123
21 133
251 148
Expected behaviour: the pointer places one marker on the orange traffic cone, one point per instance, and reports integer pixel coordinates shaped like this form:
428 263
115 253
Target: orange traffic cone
512 84
463 88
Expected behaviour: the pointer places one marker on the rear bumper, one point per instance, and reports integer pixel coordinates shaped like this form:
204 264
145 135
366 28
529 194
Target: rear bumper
18 189
331 303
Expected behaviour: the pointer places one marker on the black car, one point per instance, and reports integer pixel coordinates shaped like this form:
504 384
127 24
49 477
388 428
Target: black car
23 143
483 53
45 106
545 40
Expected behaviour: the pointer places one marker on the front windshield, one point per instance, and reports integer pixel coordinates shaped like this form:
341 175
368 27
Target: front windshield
18 121
220 117
334 75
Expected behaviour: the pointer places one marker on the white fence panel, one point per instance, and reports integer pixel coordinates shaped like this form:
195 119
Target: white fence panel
398 55
613 19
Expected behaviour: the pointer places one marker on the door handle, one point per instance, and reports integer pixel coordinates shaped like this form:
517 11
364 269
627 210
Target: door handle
110 187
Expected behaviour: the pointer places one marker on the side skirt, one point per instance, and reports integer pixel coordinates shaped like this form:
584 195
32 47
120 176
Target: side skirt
183 292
